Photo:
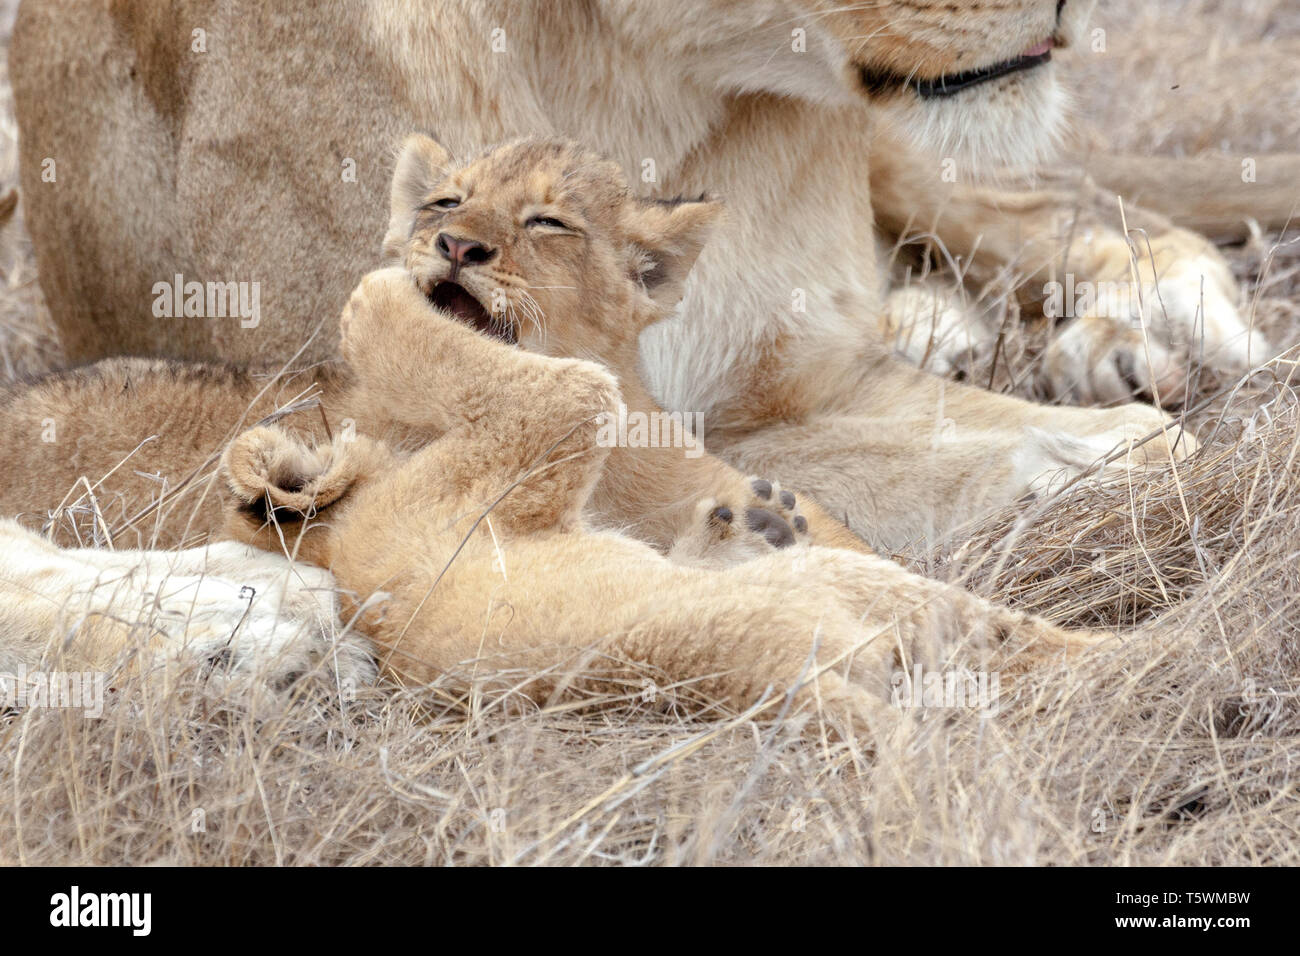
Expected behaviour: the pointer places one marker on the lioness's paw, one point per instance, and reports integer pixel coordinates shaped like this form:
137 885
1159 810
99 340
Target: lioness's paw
1198 296
927 324
1149 436
1097 360
1184 300
267 629
1130 437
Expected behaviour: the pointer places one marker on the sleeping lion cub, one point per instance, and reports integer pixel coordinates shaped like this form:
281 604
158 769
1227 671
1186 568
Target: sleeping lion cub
473 550
537 243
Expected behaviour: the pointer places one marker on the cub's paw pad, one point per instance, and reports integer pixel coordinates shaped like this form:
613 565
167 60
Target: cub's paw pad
713 523
729 530
775 530
770 497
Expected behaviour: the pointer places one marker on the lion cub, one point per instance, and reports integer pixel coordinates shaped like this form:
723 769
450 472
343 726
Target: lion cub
536 243
473 549
541 243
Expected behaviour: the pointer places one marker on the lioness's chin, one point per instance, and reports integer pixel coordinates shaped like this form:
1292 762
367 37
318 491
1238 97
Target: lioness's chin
1015 120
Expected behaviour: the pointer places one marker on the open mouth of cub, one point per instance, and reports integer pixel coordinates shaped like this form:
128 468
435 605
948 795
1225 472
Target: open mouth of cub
455 298
950 84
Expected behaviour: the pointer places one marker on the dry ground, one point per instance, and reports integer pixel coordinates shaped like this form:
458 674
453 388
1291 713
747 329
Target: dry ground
1181 744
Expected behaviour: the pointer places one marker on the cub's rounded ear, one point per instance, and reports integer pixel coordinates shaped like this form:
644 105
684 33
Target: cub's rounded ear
271 472
667 236
422 162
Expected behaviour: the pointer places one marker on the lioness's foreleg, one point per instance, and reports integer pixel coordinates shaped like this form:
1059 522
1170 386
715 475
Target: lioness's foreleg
1135 310
226 606
948 452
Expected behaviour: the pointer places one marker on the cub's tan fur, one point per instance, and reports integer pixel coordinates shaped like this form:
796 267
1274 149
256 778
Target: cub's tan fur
235 164
146 432
472 550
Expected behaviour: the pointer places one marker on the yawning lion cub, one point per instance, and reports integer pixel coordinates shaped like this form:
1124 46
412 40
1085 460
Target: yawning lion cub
539 243
465 499
476 546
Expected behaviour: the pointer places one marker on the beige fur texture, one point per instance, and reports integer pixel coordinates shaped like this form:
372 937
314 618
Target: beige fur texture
1182 735
207 165
496 476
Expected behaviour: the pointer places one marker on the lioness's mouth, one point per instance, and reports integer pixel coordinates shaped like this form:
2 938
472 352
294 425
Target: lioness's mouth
881 81
455 298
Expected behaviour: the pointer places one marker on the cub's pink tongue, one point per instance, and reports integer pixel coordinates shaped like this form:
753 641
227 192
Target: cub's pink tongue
1040 48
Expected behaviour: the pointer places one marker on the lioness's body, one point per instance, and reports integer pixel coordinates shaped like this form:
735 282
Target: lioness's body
145 435
254 147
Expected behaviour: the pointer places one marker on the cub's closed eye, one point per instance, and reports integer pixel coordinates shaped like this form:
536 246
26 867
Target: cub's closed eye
447 203
547 221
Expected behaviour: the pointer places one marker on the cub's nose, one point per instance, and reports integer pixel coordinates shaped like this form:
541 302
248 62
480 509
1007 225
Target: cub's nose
463 252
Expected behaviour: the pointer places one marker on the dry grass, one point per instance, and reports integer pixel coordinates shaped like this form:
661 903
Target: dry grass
1175 745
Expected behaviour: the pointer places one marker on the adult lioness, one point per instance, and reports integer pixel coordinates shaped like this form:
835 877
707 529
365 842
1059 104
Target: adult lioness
226 142
539 242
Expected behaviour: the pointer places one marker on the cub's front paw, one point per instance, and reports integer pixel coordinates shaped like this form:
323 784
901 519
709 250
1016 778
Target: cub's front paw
377 297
